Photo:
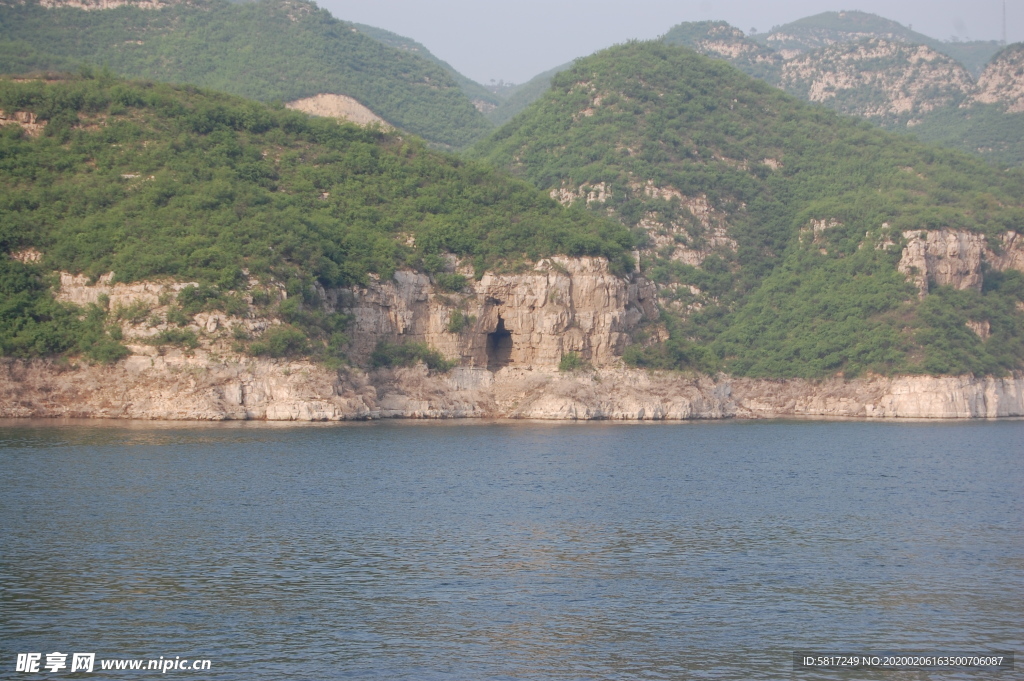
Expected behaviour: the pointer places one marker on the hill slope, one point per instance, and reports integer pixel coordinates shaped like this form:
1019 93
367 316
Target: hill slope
157 181
267 50
484 100
521 96
782 237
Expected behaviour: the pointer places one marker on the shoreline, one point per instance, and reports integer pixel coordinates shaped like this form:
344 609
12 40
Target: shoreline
199 388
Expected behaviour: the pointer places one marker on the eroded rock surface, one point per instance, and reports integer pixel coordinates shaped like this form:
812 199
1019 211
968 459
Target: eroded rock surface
200 387
520 326
1002 81
957 258
530 319
879 79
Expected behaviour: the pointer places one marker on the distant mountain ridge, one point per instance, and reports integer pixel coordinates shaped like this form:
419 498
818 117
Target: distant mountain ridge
831 28
867 66
892 83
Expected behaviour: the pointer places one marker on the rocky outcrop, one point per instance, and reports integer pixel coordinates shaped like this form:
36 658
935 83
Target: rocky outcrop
957 258
528 319
878 79
202 387
922 397
337 106
1002 81
599 192
78 289
26 120
180 387
720 40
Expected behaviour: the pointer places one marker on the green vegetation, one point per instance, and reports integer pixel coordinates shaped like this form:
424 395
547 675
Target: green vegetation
459 321
472 89
269 50
788 300
281 341
152 180
522 96
183 337
450 281
409 354
982 129
155 180
33 324
573 361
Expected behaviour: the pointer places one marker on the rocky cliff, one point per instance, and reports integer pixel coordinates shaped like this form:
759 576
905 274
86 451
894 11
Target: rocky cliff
202 387
957 258
529 319
521 325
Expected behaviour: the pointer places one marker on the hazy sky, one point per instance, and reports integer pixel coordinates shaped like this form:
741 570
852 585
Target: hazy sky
515 40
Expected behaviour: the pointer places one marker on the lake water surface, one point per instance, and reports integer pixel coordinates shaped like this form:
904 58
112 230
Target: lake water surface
510 550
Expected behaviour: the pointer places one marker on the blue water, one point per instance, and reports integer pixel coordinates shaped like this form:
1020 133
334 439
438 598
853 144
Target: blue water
510 550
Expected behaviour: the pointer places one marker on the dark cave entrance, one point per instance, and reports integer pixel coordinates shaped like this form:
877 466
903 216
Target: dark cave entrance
499 347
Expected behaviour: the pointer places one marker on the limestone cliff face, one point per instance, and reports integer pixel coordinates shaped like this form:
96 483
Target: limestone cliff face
203 387
521 325
529 319
957 258
900 397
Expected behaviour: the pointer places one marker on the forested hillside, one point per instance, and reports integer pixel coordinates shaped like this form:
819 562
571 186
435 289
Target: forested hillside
151 180
775 230
267 50
521 96
482 98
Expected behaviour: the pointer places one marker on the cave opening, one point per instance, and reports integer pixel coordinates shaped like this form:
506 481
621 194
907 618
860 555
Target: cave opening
499 346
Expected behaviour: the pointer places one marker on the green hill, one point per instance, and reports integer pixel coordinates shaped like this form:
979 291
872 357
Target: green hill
983 129
521 96
773 228
153 180
267 50
482 98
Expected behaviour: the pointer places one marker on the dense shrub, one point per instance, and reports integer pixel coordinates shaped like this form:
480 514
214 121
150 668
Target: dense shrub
408 354
573 361
459 321
281 341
